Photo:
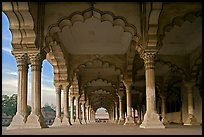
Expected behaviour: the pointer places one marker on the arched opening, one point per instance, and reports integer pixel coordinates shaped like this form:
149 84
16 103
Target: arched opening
101 115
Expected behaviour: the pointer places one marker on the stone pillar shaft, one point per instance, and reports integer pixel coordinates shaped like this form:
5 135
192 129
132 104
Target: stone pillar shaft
36 83
151 118
129 118
83 111
20 118
116 111
190 102
191 119
87 113
58 102
77 107
66 104
36 119
22 85
120 108
72 108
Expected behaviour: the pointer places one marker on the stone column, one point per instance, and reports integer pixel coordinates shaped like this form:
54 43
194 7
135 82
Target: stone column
77 120
87 113
151 118
58 119
90 115
121 115
116 112
72 109
129 118
19 119
191 120
83 121
36 119
66 119
164 119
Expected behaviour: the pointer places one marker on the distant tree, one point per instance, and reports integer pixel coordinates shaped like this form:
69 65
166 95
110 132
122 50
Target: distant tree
28 109
9 104
48 108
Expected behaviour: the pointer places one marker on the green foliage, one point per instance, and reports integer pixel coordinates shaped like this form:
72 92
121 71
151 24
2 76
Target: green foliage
9 104
48 108
28 109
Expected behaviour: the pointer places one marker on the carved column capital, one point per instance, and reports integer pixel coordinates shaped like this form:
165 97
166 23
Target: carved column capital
35 60
22 61
189 85
58 89
149 57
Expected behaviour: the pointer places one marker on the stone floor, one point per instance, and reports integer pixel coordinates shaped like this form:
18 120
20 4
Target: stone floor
108 129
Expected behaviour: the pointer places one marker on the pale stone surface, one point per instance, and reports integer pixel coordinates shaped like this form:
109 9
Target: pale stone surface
57 122
151 120
108 129
18 121
35 121
66 121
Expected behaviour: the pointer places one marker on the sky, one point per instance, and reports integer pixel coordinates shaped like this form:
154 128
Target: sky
10 72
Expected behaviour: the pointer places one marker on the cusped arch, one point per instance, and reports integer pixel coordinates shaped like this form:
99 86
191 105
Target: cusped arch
93 81
21 24
56 57
68 21
178 21
102 64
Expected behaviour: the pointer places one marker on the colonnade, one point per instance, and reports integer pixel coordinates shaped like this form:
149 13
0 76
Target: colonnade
36 120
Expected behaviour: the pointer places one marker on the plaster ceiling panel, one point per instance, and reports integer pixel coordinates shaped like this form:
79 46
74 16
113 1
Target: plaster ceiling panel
95 37
182 40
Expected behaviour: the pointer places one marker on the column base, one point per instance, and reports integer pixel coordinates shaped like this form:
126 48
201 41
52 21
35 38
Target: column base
66 121
139 122
165 121
116 121
191 120
121 121
83 121
17 122
57 122
77 121
35 121
129 121
151 120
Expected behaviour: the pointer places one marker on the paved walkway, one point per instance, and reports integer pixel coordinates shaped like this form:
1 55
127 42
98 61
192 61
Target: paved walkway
107 129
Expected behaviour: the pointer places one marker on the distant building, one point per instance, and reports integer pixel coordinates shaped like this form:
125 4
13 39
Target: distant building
6 120
101 117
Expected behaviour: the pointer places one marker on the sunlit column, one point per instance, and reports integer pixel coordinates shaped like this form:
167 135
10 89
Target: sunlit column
66 120
121 115
36 119
116 112
58 119
191 119
164 119
19 119
77 120
151 118
87 112
129 118
83 121
72 109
